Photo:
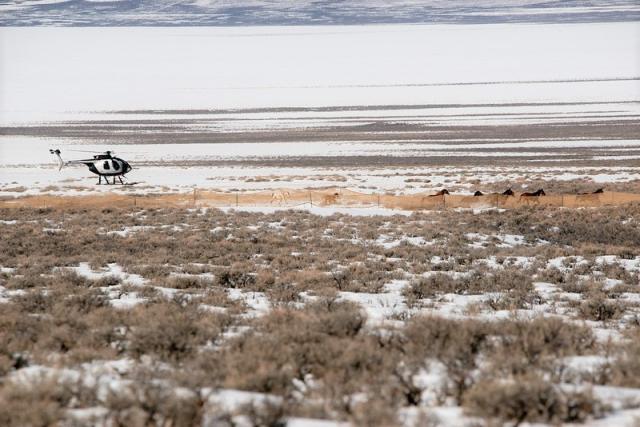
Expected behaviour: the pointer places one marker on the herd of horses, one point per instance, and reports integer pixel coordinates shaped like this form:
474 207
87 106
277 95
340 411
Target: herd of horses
283 196
509 192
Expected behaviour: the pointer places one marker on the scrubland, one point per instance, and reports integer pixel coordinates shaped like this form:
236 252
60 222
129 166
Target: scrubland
181 317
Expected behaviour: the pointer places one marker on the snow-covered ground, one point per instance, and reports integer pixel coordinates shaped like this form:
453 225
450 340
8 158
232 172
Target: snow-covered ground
138 82
57 70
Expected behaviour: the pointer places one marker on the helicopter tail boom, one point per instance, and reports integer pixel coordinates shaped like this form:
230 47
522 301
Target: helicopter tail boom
56 152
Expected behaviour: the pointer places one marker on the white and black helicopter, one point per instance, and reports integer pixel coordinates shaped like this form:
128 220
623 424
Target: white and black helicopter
104 165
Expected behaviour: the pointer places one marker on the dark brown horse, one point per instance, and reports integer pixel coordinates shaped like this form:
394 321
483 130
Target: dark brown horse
440 193
598 191
508 192
532 196
478 193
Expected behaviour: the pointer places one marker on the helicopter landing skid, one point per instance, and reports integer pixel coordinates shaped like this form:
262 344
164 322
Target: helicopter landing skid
106 180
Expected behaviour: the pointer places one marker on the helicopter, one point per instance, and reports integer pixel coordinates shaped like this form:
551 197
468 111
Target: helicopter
104 165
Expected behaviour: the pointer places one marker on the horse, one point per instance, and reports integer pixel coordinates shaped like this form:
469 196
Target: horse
538 193
330 199
598 191
440 193
478 194
532 196
280 196
508 192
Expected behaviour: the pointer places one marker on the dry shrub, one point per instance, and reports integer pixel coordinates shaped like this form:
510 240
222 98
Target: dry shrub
40 403
172 331
532 399
267 413
151 271
598 308
33 301
236 278
625 370
84 301
19 334
27 281
185 282
552 275
523 344
456 344
147 402
376 410
324 340
283 293
360 278
516 287
107 281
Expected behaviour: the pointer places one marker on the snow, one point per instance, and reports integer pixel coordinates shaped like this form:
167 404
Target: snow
566 264
576 365
257 302
230 400
632 265
516 261
479 240
112 269
334 65
35 170
388 242
380 306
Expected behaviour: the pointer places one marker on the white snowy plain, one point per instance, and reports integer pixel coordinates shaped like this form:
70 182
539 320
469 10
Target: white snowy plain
49 71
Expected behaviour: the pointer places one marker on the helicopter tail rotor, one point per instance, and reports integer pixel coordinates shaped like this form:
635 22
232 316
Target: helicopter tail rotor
56 152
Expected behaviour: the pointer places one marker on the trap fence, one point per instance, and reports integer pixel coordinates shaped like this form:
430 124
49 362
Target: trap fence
336 197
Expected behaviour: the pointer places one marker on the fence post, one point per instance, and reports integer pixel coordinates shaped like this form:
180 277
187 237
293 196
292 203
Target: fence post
310 199
378 200
236 199
194 196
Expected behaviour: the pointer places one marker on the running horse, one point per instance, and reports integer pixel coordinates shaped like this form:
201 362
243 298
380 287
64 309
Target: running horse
532 196
598 191
478 194
508 192
330 199
280 197
440 193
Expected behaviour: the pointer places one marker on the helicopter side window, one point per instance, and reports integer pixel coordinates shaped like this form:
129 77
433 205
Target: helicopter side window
106 166
115 165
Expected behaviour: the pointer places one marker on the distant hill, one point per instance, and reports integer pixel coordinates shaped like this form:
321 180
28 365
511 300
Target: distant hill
306 12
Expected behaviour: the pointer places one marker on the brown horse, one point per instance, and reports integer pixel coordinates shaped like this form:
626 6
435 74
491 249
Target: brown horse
538 193
508 192
440 193
532 196
478 194
598 191
330 199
